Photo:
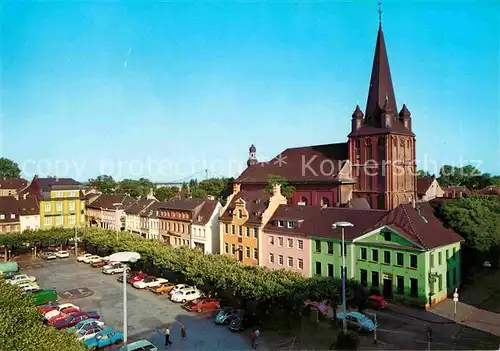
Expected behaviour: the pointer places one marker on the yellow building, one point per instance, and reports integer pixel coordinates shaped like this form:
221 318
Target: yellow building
62 204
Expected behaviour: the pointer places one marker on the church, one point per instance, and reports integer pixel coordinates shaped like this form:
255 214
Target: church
375 168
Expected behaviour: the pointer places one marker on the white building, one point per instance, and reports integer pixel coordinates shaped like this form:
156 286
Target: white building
149 221
133 219
205 227
29 213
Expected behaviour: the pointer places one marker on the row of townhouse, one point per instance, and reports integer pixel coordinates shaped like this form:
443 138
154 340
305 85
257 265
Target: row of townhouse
404 253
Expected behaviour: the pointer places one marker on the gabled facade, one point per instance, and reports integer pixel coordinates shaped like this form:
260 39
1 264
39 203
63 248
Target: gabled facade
9 215
428 188
133 212
12 187
149 222
29 213
205 227
108 211
242 221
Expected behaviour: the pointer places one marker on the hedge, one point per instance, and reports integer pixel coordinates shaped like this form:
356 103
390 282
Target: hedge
216 271
21 326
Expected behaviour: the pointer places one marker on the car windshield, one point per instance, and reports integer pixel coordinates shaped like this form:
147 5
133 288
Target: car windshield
364 319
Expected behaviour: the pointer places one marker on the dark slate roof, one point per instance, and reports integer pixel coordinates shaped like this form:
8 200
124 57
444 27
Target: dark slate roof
139 206
295 213
14 183
181 204
256 203
300 164
53 183
424 184
29 206
9 205
205 212
108 201
152 210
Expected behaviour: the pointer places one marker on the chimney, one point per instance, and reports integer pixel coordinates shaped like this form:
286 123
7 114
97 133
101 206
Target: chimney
35 177
236 188
276 189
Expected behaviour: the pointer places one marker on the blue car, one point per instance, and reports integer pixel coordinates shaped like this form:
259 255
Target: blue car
86 324
356 320
105 338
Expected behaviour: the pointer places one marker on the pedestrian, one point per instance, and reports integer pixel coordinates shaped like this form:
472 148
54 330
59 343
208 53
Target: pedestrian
257 336
254 340
183 331
167 336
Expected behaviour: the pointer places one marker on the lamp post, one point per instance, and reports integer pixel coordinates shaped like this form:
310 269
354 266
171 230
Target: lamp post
124 258
455 300
342 225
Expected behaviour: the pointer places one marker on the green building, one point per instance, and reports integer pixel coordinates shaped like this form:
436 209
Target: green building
405 254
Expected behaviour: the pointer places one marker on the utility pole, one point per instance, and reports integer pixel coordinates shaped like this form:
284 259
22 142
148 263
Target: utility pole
76 242
375 330
429 337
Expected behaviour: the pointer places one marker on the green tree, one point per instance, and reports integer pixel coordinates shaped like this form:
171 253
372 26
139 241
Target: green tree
193 182
104 183
422 174
198 192
215 186
146 186
184 186
286 189
458 176
9 169
130 187
166 193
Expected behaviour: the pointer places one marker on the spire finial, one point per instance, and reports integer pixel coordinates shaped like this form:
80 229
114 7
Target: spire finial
380 12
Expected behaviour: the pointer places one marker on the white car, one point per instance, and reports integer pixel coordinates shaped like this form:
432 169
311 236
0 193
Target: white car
28 287
114 267
149 282
21 278
185 295
92 259
62 254
60 309
179 287
84 334
82 258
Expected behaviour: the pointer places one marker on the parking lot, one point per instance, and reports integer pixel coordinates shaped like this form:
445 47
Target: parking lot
148 313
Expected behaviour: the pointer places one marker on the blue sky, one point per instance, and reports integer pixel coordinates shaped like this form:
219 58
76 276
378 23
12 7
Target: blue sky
164 90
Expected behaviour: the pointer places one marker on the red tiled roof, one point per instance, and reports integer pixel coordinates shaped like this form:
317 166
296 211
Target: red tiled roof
15 183
139 206
295 213
317 163
456 191
181 204
8 206
109 201
256 203
205 212
29 206
491 190
424 184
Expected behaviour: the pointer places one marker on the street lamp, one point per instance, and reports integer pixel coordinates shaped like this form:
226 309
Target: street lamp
124 258
342 225
455 300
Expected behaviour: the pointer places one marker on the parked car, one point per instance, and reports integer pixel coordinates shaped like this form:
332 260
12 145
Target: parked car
185 295
48 256
87 333
99 264
42 296
7 275
226 315
377 302
83 257
129 275
104 338
139 345
243 322
136 278
93 259
321 307
24 287
62 309
163 288
62 254
21 278
356 320
49 306
86 324
179 287
73 318
203 304
113 268
149 282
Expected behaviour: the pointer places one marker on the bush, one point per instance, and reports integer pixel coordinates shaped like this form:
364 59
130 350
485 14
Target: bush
21 326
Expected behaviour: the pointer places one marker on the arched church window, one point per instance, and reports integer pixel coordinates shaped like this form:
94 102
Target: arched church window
325 202
402 142
356 149
368 142
381 142
303 199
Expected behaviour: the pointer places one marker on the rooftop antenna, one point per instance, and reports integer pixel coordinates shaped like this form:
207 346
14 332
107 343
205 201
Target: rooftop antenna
380 12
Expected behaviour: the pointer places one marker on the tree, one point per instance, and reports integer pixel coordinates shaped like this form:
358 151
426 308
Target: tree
198 192
9 169
215 186
146 186
423 174
193 182
184 186
286 189
166 193
104 183
130 187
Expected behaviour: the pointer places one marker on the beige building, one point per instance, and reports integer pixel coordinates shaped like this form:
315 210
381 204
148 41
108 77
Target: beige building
428 188
133 215
108 211
11 187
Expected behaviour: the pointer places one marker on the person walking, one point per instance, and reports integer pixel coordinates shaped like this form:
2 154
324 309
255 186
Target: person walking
257 336
183 331
167 336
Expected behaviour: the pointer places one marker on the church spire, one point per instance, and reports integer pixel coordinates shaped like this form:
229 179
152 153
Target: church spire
381 90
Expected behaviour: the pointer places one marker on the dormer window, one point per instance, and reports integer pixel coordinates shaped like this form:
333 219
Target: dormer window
240 213
281 224
291 224
12 216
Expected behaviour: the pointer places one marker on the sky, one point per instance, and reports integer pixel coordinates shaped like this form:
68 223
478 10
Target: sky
164 90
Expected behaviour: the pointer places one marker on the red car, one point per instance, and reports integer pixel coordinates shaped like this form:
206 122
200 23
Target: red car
52 305
63 314
203 304
73 318
377 302
136 278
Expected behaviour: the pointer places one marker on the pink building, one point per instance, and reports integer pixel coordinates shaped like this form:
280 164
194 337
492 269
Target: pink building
284 245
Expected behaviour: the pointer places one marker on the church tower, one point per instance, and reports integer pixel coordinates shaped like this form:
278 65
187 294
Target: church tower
252 158
381 142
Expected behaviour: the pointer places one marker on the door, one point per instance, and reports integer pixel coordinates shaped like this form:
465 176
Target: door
240 254
388 287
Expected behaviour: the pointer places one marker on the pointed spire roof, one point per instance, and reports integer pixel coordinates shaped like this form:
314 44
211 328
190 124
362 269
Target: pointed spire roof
357 113
381 91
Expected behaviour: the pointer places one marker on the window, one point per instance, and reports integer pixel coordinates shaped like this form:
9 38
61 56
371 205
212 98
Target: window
47 207
400 284
440 259
71 206
290 243
374 255
248 232
226 247
290 224
363 277
374 278
240 213
330 248
400 259
255 254
226 228
248 251
318 246
363 253
48 221
413 261
387 236
454 252
233 231
431 259
281 223
300 263
447 254
255 232
280 241
440 282
387 257
72 220
59 220
290 261
318 268
240 230
325 202
271 258
271 240
300 244
59 207
330 270
280 260
2 216
413 287
233 249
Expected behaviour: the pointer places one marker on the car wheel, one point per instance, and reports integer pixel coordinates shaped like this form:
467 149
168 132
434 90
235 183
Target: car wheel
112 272
199 310
183 301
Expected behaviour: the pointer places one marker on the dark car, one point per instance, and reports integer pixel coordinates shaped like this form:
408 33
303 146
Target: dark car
99 264
245 321
48 256
129 275
74 318
226 315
